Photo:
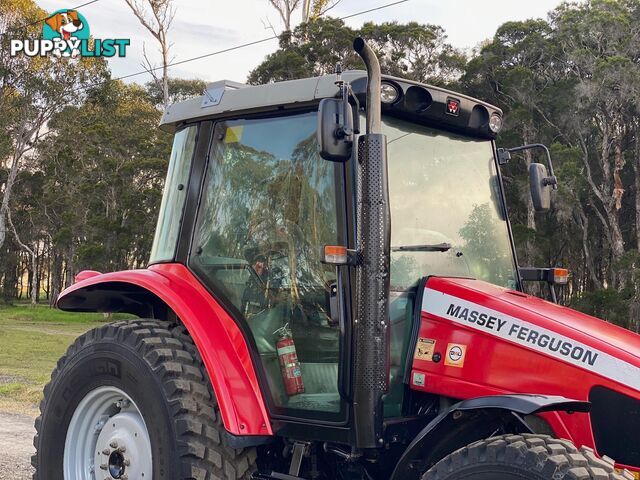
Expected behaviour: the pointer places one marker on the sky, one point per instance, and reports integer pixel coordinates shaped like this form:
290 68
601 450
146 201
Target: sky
204 26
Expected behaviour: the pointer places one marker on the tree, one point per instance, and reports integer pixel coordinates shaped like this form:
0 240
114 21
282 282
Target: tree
573 83
411 50
100 194
32 90
179 89
156 16
285 9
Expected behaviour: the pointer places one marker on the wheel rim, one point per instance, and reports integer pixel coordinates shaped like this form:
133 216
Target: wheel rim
107 438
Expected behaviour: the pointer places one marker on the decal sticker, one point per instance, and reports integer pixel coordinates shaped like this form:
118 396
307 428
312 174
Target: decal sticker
418 379
455 355
453 106
529 335
234 134
424 349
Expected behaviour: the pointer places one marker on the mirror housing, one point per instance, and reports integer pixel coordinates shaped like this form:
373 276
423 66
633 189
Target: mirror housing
541 186
335 130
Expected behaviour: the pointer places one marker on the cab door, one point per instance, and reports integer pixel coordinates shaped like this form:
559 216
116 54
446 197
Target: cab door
268 205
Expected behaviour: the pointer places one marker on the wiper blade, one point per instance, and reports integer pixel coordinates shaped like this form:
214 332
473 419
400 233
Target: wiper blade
435 247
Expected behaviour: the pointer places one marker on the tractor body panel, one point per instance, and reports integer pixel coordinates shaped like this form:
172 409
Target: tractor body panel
489 340
220 342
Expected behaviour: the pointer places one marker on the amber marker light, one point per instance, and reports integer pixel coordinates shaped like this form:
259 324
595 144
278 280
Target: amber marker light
560 276
335 254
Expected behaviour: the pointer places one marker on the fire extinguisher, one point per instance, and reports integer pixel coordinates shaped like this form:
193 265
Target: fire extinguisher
289 364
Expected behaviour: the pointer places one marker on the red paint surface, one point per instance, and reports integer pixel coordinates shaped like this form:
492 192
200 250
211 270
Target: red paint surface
219 340
498 366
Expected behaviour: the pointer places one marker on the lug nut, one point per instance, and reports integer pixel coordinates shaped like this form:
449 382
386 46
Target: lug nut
124 477
123 404
113 444
126 462
122 449
106 451
103 466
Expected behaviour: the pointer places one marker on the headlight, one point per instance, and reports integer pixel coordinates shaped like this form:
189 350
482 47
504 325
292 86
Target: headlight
495 123
388 93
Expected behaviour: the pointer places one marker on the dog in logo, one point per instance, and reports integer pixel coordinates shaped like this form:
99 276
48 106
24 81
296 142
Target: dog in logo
66 24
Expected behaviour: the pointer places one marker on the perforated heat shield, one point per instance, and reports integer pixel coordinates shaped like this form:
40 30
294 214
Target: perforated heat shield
371 329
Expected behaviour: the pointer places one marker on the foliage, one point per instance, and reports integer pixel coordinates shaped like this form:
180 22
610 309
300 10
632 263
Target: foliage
412 50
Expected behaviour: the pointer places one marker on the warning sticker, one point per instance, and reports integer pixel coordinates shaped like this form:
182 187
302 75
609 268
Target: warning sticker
424 349
455 355
418 379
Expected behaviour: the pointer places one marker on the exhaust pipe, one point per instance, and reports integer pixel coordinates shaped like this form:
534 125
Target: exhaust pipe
371 326
374 115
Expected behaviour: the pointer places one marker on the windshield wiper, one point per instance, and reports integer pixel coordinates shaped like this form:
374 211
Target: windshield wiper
436 247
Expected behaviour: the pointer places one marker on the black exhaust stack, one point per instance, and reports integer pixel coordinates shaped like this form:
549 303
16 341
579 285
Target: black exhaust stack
371 327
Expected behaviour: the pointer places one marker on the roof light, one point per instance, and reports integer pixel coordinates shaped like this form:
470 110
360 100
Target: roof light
495 123
388 93
560 276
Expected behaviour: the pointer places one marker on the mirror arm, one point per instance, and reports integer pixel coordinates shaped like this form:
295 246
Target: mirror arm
551 180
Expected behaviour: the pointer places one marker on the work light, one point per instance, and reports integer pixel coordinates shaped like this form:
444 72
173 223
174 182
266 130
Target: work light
495 123
388 93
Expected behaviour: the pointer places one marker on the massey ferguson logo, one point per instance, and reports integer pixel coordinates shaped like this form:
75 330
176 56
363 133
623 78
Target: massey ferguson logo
453 106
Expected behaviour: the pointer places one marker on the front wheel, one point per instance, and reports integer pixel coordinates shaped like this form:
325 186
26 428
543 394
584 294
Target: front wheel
524 457
132 401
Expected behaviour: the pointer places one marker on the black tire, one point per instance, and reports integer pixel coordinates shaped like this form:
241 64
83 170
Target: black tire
159 367
524 457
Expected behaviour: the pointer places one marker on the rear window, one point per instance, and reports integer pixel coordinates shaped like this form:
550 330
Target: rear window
173 198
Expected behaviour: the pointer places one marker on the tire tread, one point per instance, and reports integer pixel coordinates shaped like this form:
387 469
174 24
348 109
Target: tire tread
547 457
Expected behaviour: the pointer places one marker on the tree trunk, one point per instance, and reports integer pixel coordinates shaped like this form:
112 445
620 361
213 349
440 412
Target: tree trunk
636 172
56 279
4 206
164 45
586 249
33 271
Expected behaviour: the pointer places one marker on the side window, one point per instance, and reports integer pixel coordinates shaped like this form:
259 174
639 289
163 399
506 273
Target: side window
174 195
267 208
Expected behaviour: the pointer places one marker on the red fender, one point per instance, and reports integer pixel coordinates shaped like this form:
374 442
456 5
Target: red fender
217 336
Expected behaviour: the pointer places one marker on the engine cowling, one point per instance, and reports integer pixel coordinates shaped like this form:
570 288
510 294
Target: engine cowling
477 339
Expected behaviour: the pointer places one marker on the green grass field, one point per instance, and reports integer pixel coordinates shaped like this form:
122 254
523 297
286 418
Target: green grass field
31 341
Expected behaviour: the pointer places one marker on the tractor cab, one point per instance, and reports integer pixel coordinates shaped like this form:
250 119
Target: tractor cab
269 175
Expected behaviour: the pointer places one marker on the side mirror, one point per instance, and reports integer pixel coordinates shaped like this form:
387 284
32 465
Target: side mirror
541 185
335 130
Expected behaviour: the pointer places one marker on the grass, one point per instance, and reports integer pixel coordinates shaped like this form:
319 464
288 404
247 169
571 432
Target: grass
31 342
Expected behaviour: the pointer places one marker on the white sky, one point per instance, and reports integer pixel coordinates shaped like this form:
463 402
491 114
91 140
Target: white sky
204 26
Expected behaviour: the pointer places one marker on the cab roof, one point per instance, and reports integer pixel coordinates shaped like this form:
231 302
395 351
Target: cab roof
417 102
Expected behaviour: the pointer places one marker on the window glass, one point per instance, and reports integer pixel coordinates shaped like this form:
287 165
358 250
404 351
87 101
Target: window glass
444 191
267 208
173 198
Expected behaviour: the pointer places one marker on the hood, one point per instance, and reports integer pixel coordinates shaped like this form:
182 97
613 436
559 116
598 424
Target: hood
605 337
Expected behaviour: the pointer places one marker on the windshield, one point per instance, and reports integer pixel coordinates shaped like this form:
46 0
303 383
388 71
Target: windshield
447 216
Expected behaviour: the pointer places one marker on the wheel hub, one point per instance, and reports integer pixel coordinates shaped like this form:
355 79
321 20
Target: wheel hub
107 439
116 465
124 448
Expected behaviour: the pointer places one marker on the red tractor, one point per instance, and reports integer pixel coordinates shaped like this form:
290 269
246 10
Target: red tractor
329 303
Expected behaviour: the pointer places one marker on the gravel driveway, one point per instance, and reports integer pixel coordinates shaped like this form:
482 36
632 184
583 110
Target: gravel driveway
16 445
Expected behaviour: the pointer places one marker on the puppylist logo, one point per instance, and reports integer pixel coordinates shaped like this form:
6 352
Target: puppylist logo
66 33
